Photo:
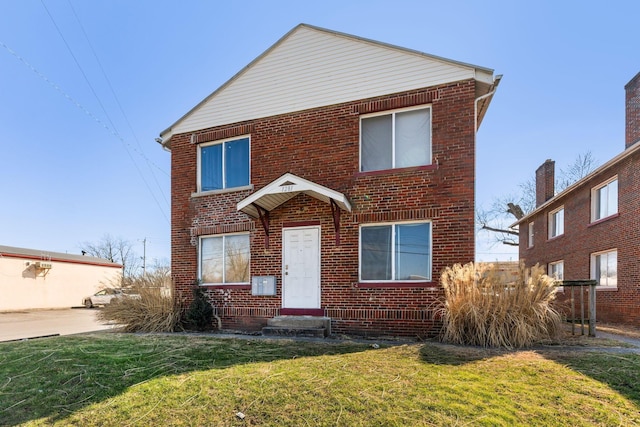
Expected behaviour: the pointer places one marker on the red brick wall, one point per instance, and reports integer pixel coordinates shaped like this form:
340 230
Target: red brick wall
322 145
582 238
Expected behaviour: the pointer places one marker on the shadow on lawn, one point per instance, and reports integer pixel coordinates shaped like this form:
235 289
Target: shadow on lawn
619 371
52 378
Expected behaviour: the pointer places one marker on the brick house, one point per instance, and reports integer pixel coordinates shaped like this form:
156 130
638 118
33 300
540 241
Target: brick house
591 230
333 176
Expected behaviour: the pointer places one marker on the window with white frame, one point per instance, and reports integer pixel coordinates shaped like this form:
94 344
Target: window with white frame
224 259
556 222
223 164
604 199
530 234
396 139
395 252
556 270
604 268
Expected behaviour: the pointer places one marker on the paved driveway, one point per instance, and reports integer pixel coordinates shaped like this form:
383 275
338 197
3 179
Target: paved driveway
37 323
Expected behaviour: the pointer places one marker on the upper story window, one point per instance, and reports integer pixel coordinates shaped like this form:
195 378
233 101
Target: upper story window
604 199
530 243
223 164
224 259
556 270
604 268
556 223
396 139
395 252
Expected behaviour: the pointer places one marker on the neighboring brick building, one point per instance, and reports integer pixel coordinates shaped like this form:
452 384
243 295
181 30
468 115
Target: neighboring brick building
591 230
352 184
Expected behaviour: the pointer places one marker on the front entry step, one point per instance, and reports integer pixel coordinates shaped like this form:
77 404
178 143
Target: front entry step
301 326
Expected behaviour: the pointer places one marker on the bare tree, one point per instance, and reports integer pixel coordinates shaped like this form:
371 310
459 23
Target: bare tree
505 210
115 250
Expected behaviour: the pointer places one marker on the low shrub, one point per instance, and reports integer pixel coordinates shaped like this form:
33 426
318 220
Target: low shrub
148 306
199 314
481 308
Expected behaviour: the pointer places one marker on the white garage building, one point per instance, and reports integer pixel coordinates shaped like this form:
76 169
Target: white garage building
31 278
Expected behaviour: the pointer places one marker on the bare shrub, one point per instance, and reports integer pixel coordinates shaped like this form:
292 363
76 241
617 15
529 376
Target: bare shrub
148 306
481 308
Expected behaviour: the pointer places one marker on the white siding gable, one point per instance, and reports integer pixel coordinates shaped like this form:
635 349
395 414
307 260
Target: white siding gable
312 67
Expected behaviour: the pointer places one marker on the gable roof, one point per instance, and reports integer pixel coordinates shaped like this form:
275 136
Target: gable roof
311 67
614 161
286 188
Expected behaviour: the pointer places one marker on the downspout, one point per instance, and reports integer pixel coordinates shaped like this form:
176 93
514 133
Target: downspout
496 82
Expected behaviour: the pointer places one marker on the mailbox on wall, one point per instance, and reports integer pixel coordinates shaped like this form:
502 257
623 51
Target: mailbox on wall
263 285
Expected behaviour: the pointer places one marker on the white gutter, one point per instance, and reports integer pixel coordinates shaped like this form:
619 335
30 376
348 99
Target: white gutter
496 82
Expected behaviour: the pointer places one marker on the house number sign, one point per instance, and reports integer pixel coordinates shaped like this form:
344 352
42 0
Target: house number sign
286 188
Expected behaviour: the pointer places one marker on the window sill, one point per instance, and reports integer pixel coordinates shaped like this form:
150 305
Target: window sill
378 285
607 288
432 166
555 237
224 190
242 286
601 220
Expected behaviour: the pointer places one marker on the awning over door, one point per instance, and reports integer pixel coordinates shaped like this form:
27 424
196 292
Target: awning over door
285 188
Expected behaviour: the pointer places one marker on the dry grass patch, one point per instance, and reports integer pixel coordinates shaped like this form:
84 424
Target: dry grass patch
480 308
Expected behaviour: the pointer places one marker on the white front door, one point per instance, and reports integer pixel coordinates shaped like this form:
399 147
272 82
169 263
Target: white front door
301 267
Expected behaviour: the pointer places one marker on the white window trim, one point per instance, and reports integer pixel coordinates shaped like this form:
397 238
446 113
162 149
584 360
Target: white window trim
592 267
551 229
201 238
393 133
549 266
199 166
594 198
531 235
393 267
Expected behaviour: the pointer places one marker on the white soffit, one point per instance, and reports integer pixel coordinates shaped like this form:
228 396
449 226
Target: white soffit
312 67
285 188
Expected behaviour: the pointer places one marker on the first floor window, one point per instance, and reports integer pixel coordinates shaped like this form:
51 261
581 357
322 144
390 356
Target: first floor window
224 259
531 234
604 268
556 270
224 164
395 252
556 223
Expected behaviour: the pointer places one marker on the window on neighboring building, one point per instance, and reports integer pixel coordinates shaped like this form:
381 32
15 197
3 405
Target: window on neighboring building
556 270
604 268
224 259
556 222
224 164
530 234
395 139
604 200
395 252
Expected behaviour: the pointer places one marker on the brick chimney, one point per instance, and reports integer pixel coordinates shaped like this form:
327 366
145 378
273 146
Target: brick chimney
545 179
632 110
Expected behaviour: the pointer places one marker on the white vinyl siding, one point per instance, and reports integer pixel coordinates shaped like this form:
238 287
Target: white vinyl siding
311 68
604 200
556 223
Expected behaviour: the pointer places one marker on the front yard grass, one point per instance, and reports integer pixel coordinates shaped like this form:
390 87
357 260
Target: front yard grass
195 380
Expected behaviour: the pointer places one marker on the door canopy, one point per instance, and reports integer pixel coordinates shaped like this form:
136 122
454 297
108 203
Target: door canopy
285 188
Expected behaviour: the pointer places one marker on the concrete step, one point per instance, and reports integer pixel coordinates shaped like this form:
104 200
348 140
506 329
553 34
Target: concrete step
294 332
309 326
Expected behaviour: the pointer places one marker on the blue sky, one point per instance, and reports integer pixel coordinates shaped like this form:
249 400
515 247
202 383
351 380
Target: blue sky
86 87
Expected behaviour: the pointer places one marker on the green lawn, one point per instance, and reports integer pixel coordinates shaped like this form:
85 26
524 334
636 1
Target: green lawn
146 380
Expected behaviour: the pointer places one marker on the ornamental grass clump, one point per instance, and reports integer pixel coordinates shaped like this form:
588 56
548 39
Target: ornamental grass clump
147 306
482 308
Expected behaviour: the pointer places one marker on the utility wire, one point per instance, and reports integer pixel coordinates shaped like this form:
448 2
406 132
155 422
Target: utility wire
88 113
113 92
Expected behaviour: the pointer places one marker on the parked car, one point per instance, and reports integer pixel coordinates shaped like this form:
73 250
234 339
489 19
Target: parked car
103 297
